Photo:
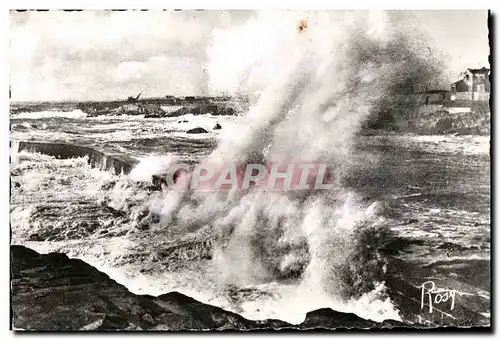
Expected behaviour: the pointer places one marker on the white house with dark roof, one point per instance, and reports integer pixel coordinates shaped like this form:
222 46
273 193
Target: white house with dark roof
475 85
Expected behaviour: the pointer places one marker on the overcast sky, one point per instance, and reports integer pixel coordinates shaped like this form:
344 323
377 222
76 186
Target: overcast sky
106 55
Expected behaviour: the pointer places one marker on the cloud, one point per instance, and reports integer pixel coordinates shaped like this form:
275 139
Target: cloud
99 55
106 54
130 70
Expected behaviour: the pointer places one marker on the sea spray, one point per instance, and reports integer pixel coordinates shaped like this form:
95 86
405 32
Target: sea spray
149 166
313 86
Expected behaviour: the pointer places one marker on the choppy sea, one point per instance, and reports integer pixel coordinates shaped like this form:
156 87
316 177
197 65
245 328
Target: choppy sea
426 200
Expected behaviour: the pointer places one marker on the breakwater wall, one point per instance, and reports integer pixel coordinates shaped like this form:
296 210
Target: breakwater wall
117 163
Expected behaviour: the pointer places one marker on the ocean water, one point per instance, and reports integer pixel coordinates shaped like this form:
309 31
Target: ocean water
403 209
430 191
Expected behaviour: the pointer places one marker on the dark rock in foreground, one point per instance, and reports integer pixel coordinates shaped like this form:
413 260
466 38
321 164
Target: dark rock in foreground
197 130
217 126
53 292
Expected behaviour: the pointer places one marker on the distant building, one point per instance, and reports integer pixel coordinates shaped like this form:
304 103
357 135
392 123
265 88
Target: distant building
475 85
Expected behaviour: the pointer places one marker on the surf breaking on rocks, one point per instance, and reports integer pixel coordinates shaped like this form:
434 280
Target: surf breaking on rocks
313 83
312 90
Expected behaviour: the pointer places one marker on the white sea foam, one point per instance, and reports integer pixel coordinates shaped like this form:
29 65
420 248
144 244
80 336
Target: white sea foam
50 114
312 89
149 166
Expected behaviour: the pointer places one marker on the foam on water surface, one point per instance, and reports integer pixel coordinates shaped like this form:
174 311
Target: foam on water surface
50 114
263 254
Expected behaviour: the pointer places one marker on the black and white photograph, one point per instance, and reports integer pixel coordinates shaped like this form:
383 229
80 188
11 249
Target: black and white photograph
250 170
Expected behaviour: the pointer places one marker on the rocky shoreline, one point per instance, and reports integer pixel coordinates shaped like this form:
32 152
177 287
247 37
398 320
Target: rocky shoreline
52 292
450 117
149 107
